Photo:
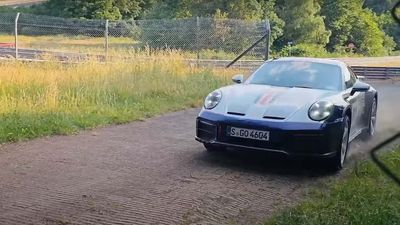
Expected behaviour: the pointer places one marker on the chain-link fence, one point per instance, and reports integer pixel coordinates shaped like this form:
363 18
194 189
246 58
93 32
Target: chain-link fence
7 37
194 38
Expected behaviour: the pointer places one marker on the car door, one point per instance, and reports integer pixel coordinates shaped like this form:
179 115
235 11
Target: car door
357 102
362 108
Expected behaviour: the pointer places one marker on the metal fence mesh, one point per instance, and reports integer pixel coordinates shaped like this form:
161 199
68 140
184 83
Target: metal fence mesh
195 38
7 38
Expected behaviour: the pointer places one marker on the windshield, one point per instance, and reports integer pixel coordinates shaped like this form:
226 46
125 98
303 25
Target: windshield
299 74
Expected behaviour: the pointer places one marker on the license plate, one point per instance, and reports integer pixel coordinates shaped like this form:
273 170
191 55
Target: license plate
248 133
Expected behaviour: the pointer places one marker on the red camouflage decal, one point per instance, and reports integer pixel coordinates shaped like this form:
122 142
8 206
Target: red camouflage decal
268 97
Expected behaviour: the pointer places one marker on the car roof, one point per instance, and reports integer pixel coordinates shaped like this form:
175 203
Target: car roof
314 60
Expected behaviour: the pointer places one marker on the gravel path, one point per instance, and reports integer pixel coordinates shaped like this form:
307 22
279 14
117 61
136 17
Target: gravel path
153 172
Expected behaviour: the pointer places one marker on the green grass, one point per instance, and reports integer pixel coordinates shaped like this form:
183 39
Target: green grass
39 99
365 196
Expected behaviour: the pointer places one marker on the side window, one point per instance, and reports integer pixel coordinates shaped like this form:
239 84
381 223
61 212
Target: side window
350 78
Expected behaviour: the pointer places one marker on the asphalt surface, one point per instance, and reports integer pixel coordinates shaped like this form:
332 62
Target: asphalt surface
36 54
32 54
153 172
14 3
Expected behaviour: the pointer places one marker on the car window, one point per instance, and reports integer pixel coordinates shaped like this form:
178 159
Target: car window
351 79
299 74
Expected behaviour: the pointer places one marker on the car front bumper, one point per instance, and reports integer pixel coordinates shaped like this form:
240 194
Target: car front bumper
310 139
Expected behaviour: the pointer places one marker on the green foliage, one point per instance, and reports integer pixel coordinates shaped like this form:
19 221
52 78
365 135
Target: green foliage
6 9
390 27
304 49
312 50
304 24
276 23
96 9
220 9
369 38
365 197
380 6
350 23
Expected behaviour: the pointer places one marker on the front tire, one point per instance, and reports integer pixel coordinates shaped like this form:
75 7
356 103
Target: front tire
370 132
338 161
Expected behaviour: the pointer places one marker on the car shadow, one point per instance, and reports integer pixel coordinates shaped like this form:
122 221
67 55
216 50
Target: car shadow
265 163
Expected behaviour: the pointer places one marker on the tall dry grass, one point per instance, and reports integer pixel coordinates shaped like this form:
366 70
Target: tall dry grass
48 98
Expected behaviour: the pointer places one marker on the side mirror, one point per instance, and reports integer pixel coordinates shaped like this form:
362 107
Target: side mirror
360 87
362 78
238 79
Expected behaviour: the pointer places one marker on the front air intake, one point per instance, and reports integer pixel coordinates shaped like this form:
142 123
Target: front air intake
273 118
236 114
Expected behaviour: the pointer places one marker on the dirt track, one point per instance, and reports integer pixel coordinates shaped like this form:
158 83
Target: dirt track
153 172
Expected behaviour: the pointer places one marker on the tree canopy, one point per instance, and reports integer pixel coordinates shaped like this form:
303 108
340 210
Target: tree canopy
304 23
97 9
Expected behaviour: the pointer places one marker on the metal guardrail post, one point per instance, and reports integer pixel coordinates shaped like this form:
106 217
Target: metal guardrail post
106 40
387 73
198 37
16 35
268 39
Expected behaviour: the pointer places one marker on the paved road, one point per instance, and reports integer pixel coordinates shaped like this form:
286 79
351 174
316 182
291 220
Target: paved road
32 54
153 172
14 3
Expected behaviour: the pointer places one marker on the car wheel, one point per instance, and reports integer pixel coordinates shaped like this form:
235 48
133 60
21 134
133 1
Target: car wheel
338 161
372 118
213 148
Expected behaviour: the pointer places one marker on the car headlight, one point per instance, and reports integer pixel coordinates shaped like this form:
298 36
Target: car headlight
212 99
320 110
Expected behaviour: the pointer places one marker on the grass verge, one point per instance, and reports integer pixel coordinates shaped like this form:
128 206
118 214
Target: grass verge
39 99
365 196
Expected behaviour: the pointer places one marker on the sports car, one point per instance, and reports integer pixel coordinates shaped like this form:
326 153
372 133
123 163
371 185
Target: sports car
295 106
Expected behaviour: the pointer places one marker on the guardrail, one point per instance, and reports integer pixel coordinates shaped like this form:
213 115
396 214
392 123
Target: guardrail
373 73
377 73
7 45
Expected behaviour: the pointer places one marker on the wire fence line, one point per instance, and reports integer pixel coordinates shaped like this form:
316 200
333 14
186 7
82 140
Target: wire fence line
25 35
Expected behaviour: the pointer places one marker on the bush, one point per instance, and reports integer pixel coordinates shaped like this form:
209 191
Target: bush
310 50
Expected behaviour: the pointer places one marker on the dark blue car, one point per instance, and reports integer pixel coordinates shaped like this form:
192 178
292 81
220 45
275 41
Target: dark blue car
294 106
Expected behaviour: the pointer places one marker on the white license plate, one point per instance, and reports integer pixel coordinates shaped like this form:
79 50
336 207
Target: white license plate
248 133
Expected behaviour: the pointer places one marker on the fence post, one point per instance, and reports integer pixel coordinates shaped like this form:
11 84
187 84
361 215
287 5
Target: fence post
106 40
387 73
16 35
267 39
198 37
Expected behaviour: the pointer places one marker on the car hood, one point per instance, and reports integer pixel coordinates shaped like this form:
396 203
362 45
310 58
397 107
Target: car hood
270 102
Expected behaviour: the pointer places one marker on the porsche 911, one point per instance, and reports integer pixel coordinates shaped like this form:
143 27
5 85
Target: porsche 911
301 107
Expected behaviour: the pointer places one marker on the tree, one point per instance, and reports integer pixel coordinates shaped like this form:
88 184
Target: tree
380 6
351 23
96 9
304 24
255 10
390 27
276 23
